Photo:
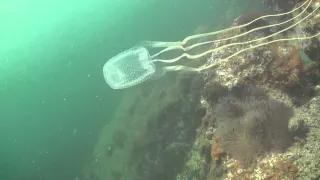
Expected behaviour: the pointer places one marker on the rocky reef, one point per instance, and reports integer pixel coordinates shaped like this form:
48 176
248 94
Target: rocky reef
254 115
261 106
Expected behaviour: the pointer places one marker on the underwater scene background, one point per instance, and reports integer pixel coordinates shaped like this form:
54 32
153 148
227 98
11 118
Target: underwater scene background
254 115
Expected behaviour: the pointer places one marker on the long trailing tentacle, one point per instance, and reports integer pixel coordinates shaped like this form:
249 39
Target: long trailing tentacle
179 45
176 68
239 43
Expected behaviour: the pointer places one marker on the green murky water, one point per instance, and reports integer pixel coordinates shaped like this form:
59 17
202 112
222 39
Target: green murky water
54 102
